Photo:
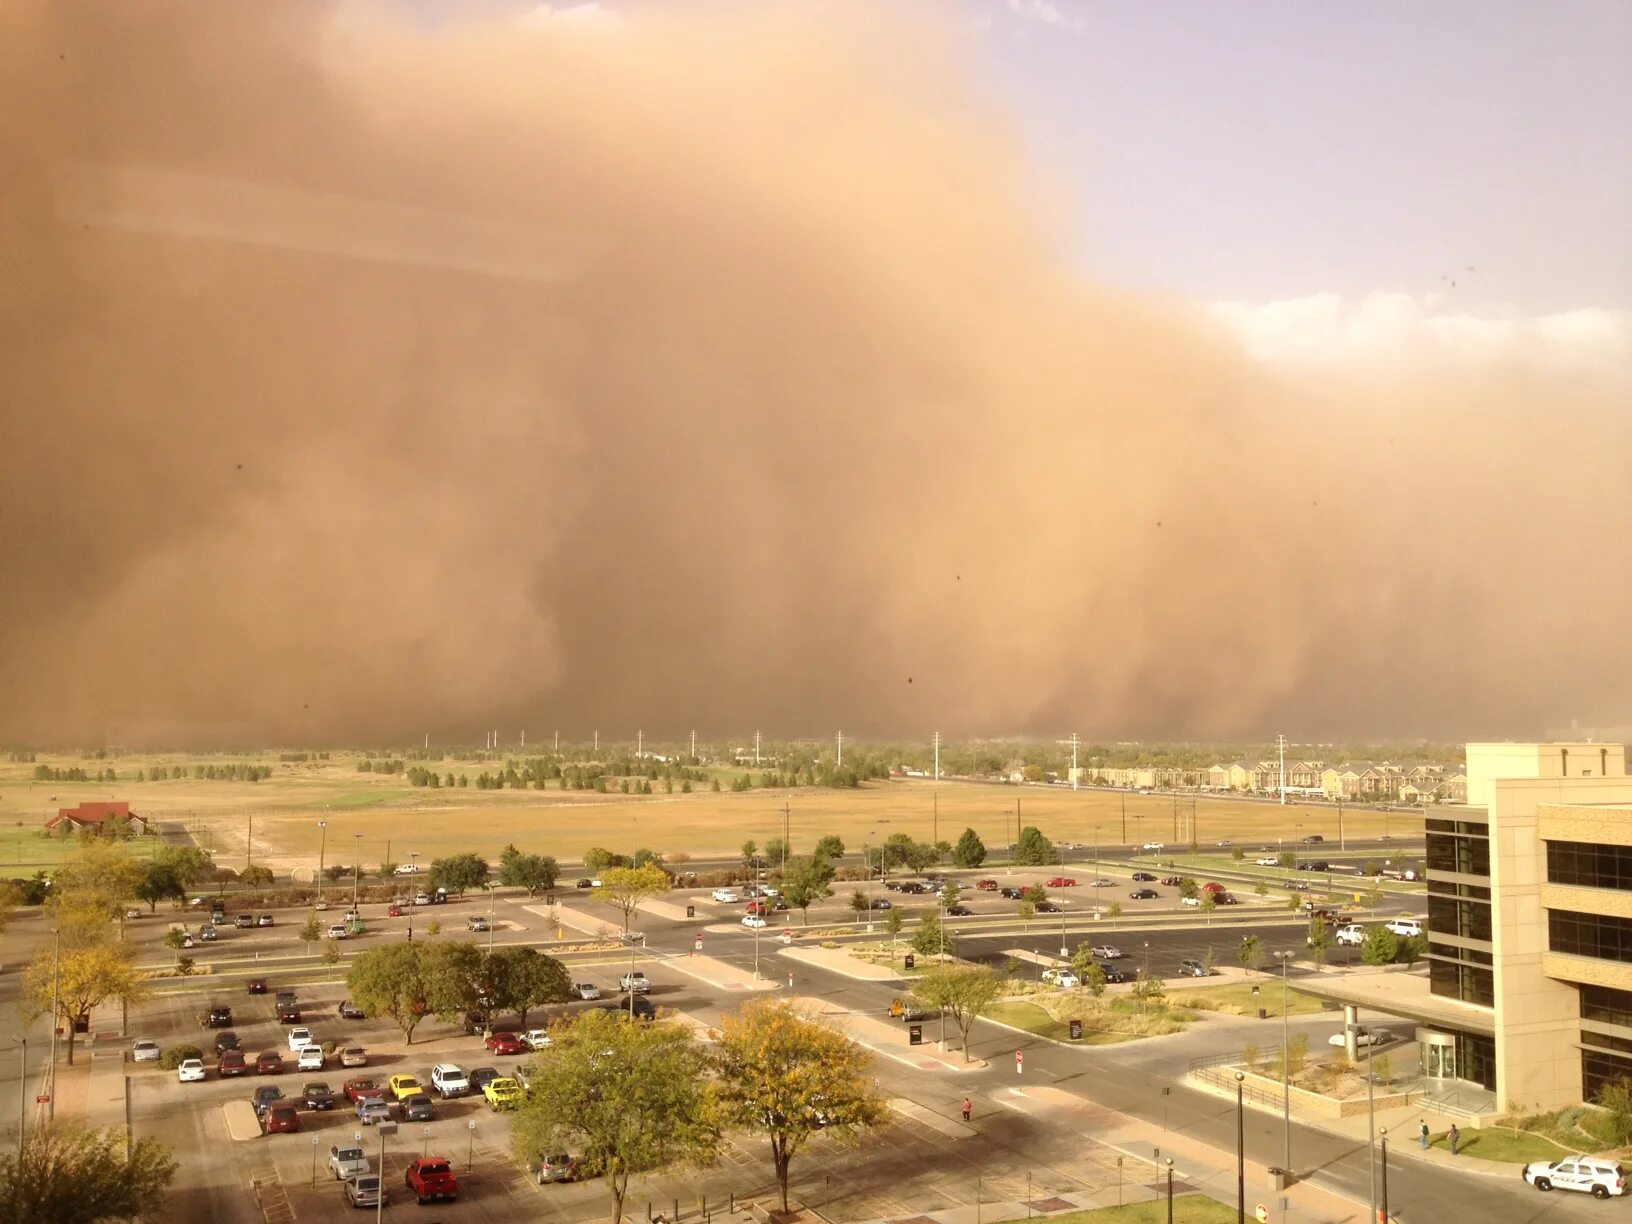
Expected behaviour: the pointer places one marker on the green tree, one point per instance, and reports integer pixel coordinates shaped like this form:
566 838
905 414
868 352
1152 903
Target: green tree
627 887
535 872
176 939
65 1175
1238 853
460 873
1026 910
1089 971
1251 953
1287 859
1113 911
929 939
830 847
598 858
894 920
628 1098
311 932
645 858
951 894
191 864
750 852
1209 903
858 901
970 850
256 876
1615 1099
1261 889
520 979
776 850
331 951
1380 946
787 1076
807 881
964 992
93 886
1032 849
160 883
1413 948
392 981
69 986
1319 940
1188 887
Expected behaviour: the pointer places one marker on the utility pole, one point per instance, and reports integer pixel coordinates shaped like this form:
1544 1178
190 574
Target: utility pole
249 840
640 744
1074 742
937 756
839 763
935 825
558 743
56 1024
22 1100
756 749
597 740
1280 742
694 746
1124 818
524 739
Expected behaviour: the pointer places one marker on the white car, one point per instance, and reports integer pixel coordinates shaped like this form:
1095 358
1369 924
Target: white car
726 896
1107 952
191 1070
133 913
145 1051
1267 860
450 1080
347 1162
1595 1175
1405 927
311 1059
768 891
586 990
1353 935
300 1037
1063 978
422 898
1189 900
1152 846
753 920
1363 1036
407 868
537 1039
338 931
635 983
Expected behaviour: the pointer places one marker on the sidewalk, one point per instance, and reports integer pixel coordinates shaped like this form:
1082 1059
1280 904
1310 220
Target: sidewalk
719 973
837 960
890 1038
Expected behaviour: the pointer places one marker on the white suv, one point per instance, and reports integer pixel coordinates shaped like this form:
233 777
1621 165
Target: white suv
1405 927
1354 934
1267 860
726 896
1598 1177
635 983
300 1038
450 1080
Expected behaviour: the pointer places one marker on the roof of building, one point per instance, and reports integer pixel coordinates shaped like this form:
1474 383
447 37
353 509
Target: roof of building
96 813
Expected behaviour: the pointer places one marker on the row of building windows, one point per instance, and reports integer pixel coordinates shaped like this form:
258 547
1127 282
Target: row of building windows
1606 1005
1471 828
1469 983
1601 1068
1450 888
1597 935
1467 855
1603 1041
1471 956
1589 865
1452 916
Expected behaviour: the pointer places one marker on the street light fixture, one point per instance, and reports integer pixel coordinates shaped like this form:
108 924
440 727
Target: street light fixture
1286 1063
322 844
1382 1211
356 870
1170 1190
1240 1151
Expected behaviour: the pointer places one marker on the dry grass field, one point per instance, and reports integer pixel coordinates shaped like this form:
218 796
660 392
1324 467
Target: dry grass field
284 811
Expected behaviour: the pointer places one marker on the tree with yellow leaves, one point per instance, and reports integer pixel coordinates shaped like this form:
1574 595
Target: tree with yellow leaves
68 985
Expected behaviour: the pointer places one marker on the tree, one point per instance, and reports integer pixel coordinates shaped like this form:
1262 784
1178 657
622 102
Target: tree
626 1097
1032 849
1615 1098
1238 853
644 857
970 850
807 881
1287 859
929 939
176 939
1380 946
951 894
160 883
1319 940
65 1175
830 847
1088 970
191 864
776 850
392 981
256 876
859 902
460 873
1188 887
963 992
1251 953
597 859
1026 910
1414 948
627 887
534 872
1209 903
893 922
1149 989
519 979
331 951
1113 911
85 978
92 887
311 931
750 852
787 1076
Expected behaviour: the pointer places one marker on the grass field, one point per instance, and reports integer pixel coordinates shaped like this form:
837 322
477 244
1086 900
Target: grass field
285 810
23 851
1507 1146
1237 999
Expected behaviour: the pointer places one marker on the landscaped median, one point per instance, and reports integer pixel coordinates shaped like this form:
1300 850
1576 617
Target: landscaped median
1105 1021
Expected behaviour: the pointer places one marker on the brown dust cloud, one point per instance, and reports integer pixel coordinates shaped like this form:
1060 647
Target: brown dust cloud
721 366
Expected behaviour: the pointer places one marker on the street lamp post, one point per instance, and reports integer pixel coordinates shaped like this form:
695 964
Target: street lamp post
322 844
1286 1063
1371 1129
1170 1190
1240 1152
413 856
356 870
1382 1211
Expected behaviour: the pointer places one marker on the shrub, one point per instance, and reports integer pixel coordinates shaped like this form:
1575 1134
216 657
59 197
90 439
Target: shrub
175 1055
1250 1055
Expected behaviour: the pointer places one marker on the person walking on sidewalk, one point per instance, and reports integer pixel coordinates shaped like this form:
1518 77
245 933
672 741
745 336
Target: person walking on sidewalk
967 1106
1456 1137
1423 1134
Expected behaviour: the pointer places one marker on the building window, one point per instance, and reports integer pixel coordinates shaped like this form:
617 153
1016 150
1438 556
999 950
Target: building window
1600 1067
1606 1005
1455 952
1450 916
1456 852
1453 888
1469 983
1596 935
1476 1059
1588 865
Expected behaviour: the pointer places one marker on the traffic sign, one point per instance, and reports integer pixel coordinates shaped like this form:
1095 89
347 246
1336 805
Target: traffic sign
1019 1062
43 1099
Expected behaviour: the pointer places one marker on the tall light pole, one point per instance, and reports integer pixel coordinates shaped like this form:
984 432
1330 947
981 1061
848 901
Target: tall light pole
1170 1190
1240 1152
322 844
1371 1129
1382 1211
22 1098
1286 1064
356 870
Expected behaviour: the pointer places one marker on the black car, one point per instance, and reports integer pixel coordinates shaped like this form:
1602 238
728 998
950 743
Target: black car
1048 907
1112 972
1011 892
226 1041
317 1095
218 1017
1315 865
644 1008
288 1013
959 911
586 883
350 1011
416 1107
1144 877
880 903
1144 894
482 1077
256 986
1314 839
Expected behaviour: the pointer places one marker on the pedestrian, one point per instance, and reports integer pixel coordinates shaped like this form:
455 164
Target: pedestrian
1423 1134
1456 1137
967 1106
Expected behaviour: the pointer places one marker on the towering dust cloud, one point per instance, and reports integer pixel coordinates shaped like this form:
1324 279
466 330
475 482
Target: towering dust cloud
714 368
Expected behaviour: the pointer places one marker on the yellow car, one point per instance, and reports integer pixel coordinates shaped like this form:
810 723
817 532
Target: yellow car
503 1093
401 1086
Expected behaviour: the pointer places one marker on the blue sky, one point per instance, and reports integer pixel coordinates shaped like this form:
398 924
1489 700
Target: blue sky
1278 149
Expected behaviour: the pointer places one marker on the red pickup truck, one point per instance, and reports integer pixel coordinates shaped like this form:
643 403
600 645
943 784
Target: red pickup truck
431 1177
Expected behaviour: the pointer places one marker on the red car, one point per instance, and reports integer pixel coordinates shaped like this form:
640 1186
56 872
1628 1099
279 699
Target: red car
282 1118
986 885
394 911
1213 888
431 1177
360 1087
505 1043
1173 881
1062 882
232 1063
269 1062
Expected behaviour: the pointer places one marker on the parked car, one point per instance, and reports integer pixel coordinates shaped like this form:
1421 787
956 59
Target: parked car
288 1013
1227 898
281 1119
230 1063
537 1039
1173 881
400 1086
503 1093
1190 967
339 930
1049 907
1189 900
1144 894
422 898
1062 882
207 932
347 1162
145 1051
1107 951
481 1077
360 1087
371 1111
354 1056
318 1095
311 1059
477 922
265 920
243 922
406 869
1363 1036
1063 978
636 981
300 1038
218 1017
987 885
350 1011
1406 927
959 911
1267 860
1595 1175
907 1008
191 1071
265 1097
431 1177
393 910
555 1168
366 1190
1102 882
585 884
727 896
1113 973
505 1043
133 914
1143 877
417 1107
269 1062
1352 935
1011 892
450 1080
585 990
880 903
1214 887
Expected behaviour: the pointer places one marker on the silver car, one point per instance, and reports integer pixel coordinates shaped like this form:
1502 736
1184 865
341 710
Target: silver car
145 1051
365 1190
